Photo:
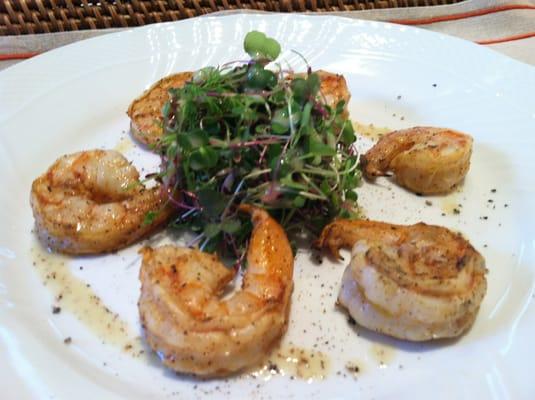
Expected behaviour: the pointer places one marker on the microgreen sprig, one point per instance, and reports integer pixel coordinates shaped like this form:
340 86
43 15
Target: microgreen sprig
245 133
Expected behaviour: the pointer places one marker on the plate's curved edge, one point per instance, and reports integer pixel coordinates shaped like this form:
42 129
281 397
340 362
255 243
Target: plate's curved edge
16 95
151 27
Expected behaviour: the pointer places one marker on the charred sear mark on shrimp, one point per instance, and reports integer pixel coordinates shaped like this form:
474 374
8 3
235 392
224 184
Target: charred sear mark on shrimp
415 282
425 160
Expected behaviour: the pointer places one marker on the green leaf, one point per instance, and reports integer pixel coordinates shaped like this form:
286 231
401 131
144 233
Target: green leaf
171 151
330 138
204 74
183 141
231 226
259 46
290 183
313 84
305 115
319 148
325 188
351 195
211 126
197 138
340 107
273 152
299 201
348 133
261 129
150 216
316 160
210 246
203 158
279 167
280 123
211 230
272 49
299 89
253 43
212 202
166 109
260 78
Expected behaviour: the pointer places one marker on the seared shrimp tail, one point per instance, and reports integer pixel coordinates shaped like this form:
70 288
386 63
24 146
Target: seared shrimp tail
344 233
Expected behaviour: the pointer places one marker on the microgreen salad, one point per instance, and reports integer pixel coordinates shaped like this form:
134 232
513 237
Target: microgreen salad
246 133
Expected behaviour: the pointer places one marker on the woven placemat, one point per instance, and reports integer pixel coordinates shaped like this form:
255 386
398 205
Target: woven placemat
19 17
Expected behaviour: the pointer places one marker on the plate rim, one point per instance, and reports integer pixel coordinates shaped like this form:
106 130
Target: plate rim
164 25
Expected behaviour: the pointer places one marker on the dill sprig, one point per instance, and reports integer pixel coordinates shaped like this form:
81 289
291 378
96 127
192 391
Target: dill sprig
243 133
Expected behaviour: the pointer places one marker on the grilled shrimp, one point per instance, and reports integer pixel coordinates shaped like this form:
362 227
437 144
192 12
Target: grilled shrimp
145 112
333 88
192 328
425 160
92 202
415 282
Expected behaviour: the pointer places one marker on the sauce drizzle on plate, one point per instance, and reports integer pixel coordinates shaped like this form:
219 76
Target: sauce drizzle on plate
77 297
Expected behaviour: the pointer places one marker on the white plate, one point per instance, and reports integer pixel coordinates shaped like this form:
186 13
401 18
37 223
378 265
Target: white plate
75 98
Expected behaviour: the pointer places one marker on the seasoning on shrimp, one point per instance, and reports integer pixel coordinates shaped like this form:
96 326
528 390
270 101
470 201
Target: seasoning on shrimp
424 160
92 202
145 112
187 323
415 282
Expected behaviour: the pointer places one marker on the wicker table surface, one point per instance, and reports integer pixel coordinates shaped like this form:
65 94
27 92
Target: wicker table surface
42 16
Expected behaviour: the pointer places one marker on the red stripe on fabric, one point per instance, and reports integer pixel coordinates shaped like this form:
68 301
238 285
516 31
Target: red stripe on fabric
507 38
17 56
468 14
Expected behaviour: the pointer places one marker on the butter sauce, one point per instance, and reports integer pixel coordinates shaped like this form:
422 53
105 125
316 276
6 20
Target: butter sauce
294 362
124 145
77 297
382 354
370 130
